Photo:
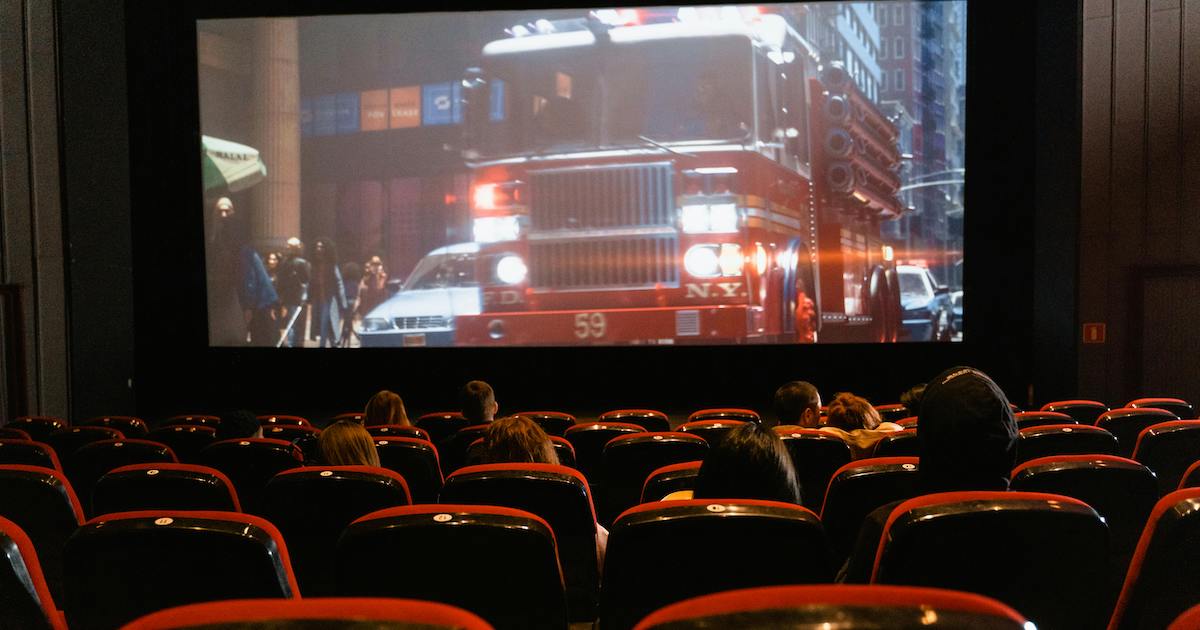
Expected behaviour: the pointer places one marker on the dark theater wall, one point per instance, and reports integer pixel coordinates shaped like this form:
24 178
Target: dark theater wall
1139 264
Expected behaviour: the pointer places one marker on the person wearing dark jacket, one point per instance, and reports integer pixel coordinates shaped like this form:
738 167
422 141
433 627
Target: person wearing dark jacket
966 440
327 291
257 297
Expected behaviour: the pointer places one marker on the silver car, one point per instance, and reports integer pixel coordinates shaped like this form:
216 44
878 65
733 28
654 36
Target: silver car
440 287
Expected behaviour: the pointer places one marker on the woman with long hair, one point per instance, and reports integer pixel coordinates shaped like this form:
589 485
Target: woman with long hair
385 407
347 443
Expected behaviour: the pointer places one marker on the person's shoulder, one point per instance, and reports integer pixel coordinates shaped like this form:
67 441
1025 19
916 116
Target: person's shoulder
834 431
889 426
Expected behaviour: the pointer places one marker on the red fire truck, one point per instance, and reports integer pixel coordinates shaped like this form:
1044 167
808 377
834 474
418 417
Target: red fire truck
698 177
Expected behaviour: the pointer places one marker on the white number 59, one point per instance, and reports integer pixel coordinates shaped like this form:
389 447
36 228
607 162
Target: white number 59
590 325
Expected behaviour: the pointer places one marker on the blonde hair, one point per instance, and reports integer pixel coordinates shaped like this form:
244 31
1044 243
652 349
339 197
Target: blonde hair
517 439
849 412
347 443
386 407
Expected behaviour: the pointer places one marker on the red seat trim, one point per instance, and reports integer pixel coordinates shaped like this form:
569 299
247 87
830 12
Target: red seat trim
75 505
692 417
94 445
703 424
673 435
1082 428
669 468
1191 469
1073 403
603 424
947 498
34 568
530 467
864 463
1071 459
213 515
775 597
669 505
331 608
378 471
191 468
1170 424
46 448
1139 555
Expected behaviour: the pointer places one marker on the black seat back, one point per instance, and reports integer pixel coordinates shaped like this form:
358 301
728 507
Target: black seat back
186 440
1168 449
40 501
250 463
860 487
416 461
28 453
1126 424
164 487
816 455
1064 439
589 439
647 419
86 465
629 459
1162 581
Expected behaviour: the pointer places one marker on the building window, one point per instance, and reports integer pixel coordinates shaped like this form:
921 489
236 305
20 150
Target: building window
898 51
883 48
900 79
883 83
898 15
881 15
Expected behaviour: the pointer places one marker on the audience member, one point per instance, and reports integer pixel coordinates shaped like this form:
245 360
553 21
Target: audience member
517 439
386 407
967 440
239 424
478 402
798 406
750 462
347 443
911 399
853 419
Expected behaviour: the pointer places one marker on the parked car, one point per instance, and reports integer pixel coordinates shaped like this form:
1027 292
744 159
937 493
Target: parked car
421 313
928 309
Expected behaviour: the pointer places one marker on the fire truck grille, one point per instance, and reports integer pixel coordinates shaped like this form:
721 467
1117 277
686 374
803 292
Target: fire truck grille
424 321
602 197
590 264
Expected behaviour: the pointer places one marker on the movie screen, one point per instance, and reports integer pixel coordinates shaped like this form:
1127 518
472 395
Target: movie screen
783 174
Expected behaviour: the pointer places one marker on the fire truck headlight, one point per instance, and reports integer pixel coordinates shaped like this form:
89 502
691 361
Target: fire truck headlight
721 218
511 269
496 229
760 258
376 324
702 261
731 259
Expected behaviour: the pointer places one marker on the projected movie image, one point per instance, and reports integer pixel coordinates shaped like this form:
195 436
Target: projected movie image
779 174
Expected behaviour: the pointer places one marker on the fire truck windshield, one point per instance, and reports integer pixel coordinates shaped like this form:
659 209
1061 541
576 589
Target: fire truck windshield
604 96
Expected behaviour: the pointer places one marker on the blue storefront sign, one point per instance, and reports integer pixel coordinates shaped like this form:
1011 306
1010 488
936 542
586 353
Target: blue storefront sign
497 101
441 104
324 115
347 112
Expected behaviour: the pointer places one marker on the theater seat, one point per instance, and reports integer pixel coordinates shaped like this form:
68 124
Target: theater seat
453 450
898 444
557 494
1042 554
397 430
186 440
1121 490
272 419
1189 620
713 431
92 461
38 427
7 433
1084 411
908 423
66 441
40 501
816 455
28 453
647 419
250 463
552 422
857 489
629 459
840 606
121 566
1127 424
496 562
1027 419
355 416
140 487
196 420
662 553
670 478
415 460
1191 477
442 424
725 413
23 590
312 506
289 432
893 412
129 426
1162 581
335 613
1064 439
589 439
1181 408
1169 448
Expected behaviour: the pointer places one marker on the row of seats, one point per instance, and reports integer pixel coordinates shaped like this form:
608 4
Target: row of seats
1043 554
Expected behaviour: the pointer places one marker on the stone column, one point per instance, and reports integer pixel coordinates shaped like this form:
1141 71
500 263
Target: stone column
275 103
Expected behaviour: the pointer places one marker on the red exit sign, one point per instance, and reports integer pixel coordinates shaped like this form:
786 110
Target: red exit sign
1093 332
